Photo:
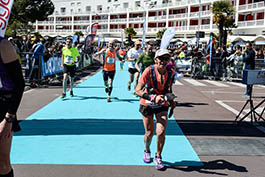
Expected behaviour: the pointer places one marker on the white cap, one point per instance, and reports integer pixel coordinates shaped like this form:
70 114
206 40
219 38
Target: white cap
10 38
161 52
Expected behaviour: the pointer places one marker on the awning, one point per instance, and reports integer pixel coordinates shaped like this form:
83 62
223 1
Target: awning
260 43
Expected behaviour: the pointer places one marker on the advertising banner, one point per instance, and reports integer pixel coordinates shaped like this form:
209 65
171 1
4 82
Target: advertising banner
52 66
5 10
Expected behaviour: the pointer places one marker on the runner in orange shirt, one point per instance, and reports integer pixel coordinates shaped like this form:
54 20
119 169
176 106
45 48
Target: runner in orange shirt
154 84
108 67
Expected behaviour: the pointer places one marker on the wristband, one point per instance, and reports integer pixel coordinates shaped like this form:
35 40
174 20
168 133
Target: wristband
146 96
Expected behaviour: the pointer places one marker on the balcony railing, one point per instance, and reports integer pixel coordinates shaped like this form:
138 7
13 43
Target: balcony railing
180 28
81 21
163 17
102 30
116 30
194 14
251 23
45 22
203 13
100 21
251 6
119 20
194 27
63 22
137 19
178 16
155 29
205 27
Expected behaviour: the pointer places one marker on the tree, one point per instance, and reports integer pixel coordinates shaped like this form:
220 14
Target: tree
28 11
160 33
130 33
224 19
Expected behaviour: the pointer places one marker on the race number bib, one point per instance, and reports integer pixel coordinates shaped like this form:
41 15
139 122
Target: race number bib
110 60
68 59
131 64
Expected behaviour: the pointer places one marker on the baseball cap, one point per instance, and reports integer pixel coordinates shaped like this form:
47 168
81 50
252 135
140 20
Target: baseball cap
161 52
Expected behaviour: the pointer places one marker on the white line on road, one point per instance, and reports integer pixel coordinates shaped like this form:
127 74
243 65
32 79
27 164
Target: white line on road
237 84
219 84
194 82
178 83
257 125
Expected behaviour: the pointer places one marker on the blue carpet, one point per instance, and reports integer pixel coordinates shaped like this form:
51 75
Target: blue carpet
87 130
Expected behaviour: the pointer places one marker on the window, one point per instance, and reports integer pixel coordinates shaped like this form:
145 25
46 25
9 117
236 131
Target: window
72 4
99 7
79 10
79 3
125 5
88 8
109 0
137 4
63 9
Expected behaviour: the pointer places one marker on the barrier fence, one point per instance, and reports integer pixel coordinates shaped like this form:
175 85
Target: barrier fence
40 70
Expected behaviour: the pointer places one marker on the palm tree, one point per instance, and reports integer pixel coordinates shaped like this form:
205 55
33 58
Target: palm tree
130 33
224 19
160 33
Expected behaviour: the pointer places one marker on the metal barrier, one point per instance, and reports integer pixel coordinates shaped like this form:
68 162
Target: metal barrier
40 71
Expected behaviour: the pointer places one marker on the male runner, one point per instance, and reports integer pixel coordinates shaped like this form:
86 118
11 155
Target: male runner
157 80
11 91
69 59
133 55
108 67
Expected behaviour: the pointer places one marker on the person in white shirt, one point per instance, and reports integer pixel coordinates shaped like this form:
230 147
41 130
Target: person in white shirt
133 55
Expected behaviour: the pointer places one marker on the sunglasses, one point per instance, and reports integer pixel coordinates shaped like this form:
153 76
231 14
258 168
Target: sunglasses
163 58
69 41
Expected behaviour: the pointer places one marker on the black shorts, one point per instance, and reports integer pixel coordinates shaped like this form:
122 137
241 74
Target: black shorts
108 74
69 69
149 111
4 102
133 70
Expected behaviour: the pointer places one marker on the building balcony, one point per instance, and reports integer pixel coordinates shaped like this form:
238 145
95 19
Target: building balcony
251 6
82 22
116 30
205 27
181 28
155 30
185 15
137 19
102 30
138 29
203 13
45 22
155 18
251 23
64 22
118 20
100 21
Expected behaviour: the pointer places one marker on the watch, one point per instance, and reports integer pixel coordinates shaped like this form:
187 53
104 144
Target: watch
10 119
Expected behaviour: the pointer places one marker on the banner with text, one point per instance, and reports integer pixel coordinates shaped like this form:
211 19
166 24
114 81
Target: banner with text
52 66
5 10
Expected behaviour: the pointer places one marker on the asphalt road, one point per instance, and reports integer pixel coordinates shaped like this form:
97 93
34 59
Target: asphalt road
206 112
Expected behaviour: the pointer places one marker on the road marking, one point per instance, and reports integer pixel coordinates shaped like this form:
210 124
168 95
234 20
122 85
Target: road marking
257 125
178 83
194 82
237 84
230 92
219 84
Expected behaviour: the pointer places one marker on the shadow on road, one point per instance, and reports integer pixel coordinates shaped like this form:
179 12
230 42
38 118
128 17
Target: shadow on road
209 167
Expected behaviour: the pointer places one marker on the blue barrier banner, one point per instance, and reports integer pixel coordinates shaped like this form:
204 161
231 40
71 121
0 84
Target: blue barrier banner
52 66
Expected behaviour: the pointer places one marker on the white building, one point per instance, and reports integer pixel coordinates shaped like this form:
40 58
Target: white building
113 16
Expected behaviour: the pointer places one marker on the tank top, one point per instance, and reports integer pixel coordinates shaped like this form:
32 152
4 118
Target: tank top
6 84
109 62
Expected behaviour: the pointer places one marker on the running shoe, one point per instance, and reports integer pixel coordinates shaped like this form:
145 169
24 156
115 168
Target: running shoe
147 157
108 99
63 95
245 95
71 93
158 161
106 89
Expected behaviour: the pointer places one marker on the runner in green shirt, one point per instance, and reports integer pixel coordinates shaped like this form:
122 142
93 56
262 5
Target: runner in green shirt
145 59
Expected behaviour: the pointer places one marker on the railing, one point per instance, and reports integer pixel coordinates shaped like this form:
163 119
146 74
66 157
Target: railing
119 20
137 19
100 21
138 29
155 29
81 21
181 28
184 15
205 13
251 23
163 17
205 27
194 14
194 27
45 22
116 30
251 6
102 30
63 22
